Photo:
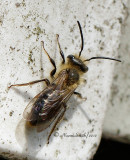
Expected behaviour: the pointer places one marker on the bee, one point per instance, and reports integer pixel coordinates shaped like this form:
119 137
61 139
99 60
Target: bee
50 104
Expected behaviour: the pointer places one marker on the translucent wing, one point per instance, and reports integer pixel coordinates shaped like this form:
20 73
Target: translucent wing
31 107
46 123
51 112
45 106
28 112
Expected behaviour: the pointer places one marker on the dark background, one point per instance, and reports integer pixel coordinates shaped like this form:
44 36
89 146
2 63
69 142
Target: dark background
110 150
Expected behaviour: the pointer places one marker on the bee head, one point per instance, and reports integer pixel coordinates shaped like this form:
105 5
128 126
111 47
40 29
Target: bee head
78 63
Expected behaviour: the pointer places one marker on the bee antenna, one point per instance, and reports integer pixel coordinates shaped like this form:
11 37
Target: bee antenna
82 39
102 58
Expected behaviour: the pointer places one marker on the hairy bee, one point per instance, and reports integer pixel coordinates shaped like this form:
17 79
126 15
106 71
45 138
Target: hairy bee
50 104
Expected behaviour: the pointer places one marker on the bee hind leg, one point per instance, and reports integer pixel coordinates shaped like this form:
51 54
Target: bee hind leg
56 123
31 83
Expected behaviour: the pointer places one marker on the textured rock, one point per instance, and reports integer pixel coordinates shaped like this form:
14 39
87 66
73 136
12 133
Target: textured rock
117 120
22 27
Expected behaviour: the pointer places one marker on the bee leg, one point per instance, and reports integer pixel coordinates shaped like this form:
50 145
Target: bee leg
80 96
56 123
61 52
51 60
30 83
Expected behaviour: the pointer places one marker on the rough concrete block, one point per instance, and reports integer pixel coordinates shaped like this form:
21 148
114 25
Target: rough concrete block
23 25
117 120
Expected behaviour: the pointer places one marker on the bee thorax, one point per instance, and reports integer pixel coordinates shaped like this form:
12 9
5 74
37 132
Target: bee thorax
73 76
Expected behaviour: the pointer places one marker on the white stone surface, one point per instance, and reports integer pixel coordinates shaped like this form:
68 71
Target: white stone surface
23 24
117 120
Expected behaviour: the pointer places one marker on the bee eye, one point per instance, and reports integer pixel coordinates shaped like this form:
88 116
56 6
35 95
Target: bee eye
84 68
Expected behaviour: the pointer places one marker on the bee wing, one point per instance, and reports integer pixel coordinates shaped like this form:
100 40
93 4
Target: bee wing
46 123
30 109
51 112
53 104
28 112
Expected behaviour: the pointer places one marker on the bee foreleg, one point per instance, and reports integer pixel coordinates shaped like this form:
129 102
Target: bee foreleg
51 60
80 95
56 123
33 82
61 52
